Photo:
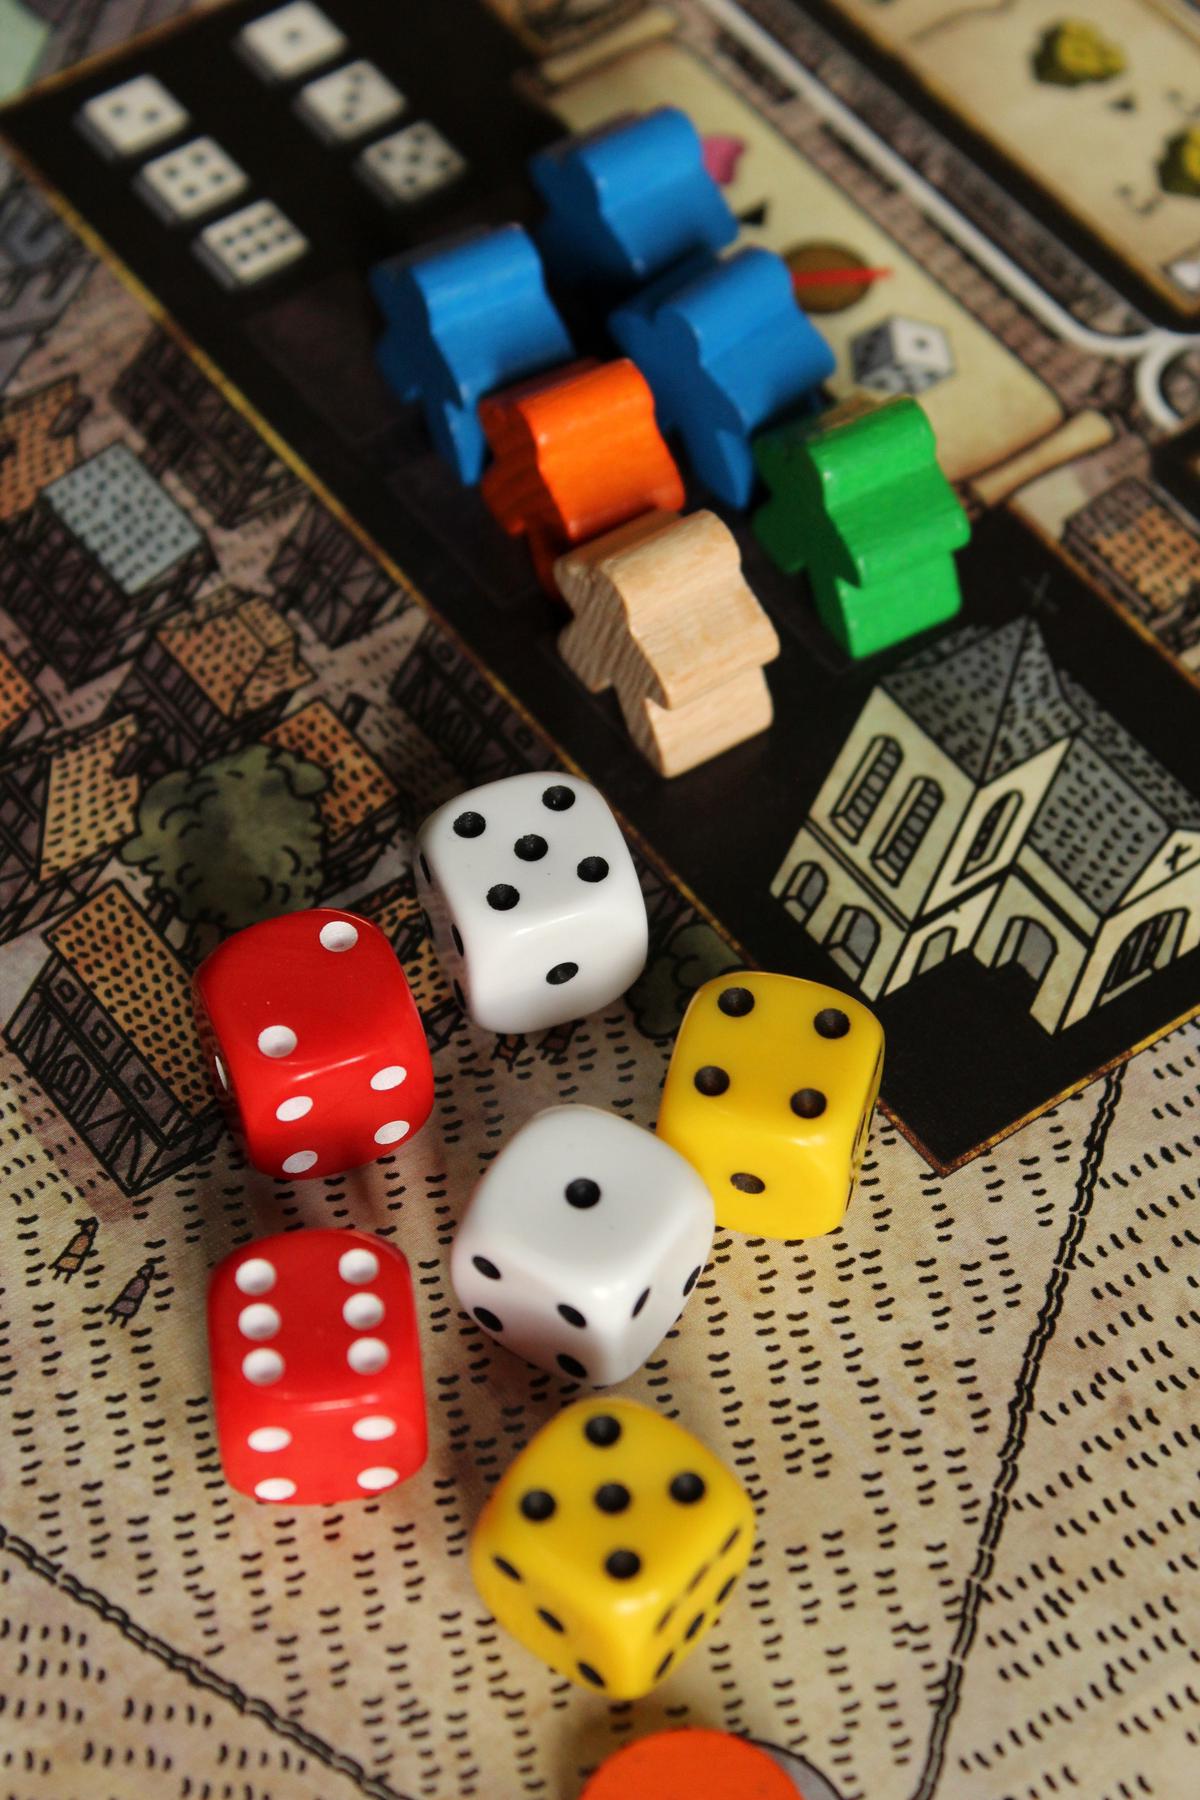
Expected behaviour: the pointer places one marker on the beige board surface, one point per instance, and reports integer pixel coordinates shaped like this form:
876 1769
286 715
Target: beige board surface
989 408
1094 148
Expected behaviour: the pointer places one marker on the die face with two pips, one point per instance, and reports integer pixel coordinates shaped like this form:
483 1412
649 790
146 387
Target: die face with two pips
316 1368
582 1242
314 1041
534 901
769 1095
611 1544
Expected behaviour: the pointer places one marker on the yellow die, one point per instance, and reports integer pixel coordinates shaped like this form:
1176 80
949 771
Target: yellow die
611 1544
769 1095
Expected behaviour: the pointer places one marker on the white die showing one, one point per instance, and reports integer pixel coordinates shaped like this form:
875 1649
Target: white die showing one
191 181
131 118
410 165
901 356
349 102
290 41
534 901
582 1242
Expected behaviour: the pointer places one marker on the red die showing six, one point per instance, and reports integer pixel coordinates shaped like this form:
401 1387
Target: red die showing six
316 1367
314 1040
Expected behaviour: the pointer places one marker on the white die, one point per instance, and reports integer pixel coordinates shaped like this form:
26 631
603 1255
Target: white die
349 102
132 118
191 181
582 1242
410 165
534 901
290 41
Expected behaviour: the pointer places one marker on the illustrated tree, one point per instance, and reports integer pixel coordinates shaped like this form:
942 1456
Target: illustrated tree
692 955
232 843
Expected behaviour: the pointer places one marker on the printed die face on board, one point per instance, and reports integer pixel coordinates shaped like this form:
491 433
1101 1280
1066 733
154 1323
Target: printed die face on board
582 1242
769 1095
314 1041
316 1368
534 899
611 1544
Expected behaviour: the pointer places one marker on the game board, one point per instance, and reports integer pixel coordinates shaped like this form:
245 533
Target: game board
964 1416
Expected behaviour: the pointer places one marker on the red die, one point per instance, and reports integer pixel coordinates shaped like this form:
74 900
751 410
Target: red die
316 1367
314 1040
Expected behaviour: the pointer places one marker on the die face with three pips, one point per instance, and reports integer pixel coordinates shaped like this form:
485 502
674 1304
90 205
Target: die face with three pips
611 1544
769 1095
533 899
315 1044
582 1242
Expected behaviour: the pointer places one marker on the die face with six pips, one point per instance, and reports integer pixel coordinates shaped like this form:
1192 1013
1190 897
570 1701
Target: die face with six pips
533 900
316 1368
611 1544
582 1242
314 1042
769 1095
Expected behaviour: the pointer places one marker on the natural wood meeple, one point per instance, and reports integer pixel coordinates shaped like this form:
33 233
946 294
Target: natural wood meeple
664 617
107 1030
323 572
189 428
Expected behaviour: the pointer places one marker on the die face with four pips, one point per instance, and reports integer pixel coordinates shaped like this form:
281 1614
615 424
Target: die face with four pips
315 1044
611 1544
533 899
582 1242
769 1095
316 1368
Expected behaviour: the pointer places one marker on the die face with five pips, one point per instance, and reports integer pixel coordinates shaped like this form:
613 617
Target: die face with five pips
582 1242
315 1044
534 902
316 1368
611 1544
769 1095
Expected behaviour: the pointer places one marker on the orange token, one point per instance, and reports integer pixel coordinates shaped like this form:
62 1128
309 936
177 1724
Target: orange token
691 1765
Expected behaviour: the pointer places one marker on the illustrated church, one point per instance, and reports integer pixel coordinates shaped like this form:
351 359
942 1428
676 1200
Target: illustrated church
985 802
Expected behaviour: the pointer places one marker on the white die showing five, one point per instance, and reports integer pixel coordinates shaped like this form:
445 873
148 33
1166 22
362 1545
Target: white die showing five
582 1242
534 901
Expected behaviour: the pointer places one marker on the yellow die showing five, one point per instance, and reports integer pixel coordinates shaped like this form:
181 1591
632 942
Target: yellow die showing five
611 1544
769 1095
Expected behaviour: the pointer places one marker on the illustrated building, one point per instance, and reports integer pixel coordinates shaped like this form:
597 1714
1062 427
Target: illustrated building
472 725
38 442
18 699
360 808
65 807
42 267
322 571
103 556
190 428
107 1030
211 679
985 802
1137 543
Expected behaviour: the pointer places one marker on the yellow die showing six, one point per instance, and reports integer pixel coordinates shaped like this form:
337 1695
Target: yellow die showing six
611 1544
769 1095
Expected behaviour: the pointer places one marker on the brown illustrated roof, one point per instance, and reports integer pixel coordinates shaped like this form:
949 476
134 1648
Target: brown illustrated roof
238 650
89 807
357 787
37 443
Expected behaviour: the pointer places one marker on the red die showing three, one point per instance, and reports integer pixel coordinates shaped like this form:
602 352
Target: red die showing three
314 1040
316 1367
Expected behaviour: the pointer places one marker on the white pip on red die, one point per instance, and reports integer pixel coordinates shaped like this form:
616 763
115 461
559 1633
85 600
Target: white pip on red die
535 905
582 1242
315 1043
316 1367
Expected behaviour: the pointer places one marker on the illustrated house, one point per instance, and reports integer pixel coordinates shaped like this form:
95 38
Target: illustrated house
107 1030
190 428
103 555
18 699
322 571
360 808
1134 539
985 802
38 442
65 807
475 728
42 267
211 679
